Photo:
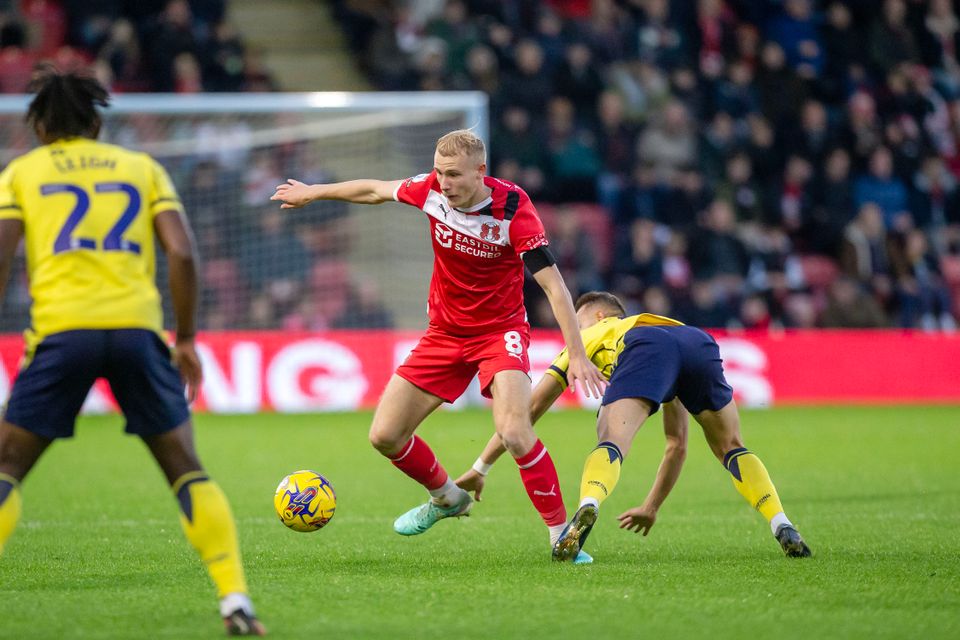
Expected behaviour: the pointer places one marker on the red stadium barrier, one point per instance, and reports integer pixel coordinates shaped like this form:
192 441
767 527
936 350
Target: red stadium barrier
345 370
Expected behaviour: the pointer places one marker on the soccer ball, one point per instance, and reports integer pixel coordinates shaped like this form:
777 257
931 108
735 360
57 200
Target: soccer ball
305 501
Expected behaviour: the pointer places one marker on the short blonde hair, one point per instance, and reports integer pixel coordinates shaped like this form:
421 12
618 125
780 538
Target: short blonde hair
462 142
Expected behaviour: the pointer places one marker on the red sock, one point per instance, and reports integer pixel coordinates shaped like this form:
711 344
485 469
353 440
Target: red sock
416 459
540 480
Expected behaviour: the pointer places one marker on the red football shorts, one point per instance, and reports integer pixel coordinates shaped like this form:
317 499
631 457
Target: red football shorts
444 365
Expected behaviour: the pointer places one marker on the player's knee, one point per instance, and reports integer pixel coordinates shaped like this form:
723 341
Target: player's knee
517 435
385 442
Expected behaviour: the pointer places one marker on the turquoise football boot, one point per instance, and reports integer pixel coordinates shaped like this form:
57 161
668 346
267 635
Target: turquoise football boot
419 519
583 558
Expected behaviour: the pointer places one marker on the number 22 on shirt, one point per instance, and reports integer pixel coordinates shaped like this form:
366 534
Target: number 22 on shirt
113 241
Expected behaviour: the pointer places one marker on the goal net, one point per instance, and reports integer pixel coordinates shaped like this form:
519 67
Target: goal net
329 265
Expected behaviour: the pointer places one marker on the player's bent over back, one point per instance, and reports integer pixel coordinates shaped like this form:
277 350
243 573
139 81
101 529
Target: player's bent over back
650 361
91 214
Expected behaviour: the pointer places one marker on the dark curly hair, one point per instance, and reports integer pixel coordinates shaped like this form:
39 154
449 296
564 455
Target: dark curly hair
65 105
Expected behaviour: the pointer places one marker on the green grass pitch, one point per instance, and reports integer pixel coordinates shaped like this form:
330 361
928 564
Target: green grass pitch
876 492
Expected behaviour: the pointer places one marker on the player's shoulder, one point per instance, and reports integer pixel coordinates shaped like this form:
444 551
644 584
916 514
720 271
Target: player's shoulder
27 164
415 190
27 158
425 180
508 197
504 187
613 324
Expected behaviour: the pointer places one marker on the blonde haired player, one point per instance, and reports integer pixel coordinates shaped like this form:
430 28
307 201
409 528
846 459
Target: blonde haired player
484 231
650 360
90 214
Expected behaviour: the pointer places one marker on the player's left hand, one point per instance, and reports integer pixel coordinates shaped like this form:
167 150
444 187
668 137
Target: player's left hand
590 378
471 481
188 362
638 519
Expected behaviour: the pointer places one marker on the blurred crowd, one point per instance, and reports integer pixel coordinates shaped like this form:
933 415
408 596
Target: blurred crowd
181 46
260 268
730 163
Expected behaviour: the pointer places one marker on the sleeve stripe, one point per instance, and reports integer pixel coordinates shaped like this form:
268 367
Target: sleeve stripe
558 370
510 206
10 206
159 200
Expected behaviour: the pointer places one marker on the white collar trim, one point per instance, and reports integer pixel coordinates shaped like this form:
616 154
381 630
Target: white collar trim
480 205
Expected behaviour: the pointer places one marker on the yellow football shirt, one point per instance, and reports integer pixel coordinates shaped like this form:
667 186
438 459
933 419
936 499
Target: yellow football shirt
604 342
87 209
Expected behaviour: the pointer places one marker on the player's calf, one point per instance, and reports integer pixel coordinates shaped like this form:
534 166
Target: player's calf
539 476
19 450
209 526
10 507
751 480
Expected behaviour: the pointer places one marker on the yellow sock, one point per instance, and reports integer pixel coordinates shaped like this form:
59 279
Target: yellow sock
208 524
600 473
9 507
753 482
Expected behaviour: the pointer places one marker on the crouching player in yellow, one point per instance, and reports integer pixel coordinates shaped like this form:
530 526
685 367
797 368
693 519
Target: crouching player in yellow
90 214
650 361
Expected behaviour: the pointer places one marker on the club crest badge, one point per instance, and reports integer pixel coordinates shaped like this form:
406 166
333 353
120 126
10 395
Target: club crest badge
490 231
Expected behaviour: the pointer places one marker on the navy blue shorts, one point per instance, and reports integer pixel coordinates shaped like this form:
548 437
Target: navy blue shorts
47 395
665 362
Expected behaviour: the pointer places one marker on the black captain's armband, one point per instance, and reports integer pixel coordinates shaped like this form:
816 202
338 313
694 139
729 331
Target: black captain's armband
539 258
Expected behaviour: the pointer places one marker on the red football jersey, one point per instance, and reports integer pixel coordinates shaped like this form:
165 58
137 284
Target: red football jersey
477 284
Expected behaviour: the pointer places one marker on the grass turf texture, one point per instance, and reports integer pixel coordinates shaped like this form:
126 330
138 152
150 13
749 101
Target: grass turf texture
876 493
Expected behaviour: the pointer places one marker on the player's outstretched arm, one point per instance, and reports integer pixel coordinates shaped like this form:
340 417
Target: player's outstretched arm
580 368
173 232
544 395
10 233
294 194
675 421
